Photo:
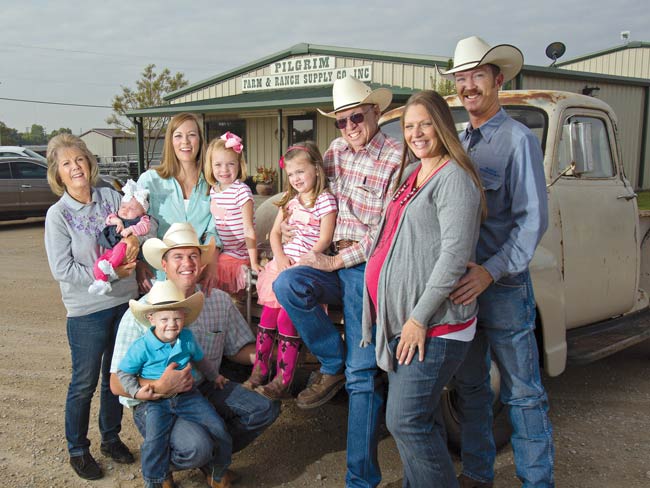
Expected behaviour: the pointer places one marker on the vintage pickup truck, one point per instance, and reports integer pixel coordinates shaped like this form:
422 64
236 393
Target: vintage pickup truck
593 264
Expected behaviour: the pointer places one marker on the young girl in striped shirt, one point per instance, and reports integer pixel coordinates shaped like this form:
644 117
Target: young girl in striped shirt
231 204
311 209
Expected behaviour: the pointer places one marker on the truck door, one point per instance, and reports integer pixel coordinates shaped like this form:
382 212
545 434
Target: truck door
598 214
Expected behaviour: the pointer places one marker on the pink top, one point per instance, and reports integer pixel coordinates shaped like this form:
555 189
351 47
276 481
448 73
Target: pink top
394 212
226 208
307 222
139 229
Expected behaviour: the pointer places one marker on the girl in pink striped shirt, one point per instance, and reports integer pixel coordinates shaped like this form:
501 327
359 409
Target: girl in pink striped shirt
231 204
311 209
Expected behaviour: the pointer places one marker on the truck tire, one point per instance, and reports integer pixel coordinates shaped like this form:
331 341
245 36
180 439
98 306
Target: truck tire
451 416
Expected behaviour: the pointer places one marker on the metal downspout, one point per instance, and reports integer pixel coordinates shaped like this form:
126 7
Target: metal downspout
140 137
280 149
644 138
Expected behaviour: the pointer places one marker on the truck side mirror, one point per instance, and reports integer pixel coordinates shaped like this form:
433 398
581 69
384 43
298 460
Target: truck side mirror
580 147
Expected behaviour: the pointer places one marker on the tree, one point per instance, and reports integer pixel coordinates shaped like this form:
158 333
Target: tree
444 87
8 135
149 92
55 132
36 135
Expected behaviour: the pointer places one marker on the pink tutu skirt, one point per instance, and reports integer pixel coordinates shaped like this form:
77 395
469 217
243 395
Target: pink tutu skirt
231 273
265 279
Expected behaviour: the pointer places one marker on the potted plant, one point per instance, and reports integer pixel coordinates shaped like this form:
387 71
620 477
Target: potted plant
264 179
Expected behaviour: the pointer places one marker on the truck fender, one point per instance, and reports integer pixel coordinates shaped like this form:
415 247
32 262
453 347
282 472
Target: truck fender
549 296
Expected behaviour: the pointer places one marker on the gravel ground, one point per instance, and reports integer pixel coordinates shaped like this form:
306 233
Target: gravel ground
600 412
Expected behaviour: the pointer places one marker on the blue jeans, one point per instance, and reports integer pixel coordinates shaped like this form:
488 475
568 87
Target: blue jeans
246 414
91 339
300 291
159 417
506 324
413 412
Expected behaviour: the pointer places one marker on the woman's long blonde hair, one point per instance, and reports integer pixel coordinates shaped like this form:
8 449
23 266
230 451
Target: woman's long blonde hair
443 124
170 166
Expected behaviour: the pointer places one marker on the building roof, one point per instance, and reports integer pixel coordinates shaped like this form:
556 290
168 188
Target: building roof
117 134
623 47
304 48
269 100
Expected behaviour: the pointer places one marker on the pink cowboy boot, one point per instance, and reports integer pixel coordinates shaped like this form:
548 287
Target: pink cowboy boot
288 352
263 350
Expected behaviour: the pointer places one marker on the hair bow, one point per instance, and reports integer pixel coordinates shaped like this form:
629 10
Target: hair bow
132 190
233 142
289 149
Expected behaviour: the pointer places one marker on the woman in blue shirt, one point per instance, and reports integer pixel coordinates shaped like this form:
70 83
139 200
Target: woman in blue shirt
178 192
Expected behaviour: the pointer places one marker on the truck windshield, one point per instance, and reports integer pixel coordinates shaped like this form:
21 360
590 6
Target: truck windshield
531 117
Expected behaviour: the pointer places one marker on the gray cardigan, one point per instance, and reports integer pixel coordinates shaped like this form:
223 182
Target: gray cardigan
435 239
71 242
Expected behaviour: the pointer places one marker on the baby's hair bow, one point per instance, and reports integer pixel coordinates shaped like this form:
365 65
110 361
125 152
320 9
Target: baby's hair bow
132 190
233 142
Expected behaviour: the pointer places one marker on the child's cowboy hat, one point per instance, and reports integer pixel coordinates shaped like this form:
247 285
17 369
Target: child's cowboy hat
178 235
350 92
473 52
165 295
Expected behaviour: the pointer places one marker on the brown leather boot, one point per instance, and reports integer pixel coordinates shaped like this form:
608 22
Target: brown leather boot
322 390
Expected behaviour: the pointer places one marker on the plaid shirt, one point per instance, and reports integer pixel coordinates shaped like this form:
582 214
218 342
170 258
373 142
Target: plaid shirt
219 329
360 181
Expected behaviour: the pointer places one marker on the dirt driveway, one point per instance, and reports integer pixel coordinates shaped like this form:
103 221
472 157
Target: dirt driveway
600 412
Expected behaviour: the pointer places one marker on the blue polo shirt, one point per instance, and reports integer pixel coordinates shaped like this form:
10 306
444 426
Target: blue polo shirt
148 356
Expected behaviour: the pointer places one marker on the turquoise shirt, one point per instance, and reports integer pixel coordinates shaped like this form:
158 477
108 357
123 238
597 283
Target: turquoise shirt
149 356
166 205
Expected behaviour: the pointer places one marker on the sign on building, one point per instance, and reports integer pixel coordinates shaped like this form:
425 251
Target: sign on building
304 72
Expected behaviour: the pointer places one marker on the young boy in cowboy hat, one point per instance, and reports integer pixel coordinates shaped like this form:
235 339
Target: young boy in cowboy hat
510 162
361 165
167 310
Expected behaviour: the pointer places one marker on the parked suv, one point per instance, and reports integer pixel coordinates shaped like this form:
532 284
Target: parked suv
23 152
24 191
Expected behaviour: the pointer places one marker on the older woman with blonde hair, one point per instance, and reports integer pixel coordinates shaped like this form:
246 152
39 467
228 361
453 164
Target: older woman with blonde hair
178 192
72 227
426 238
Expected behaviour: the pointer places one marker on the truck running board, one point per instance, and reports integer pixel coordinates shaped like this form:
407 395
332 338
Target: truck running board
593 342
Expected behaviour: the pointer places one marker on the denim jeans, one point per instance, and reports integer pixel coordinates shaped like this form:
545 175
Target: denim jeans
91 339
159 417
413 412
300 291
245 413
506 324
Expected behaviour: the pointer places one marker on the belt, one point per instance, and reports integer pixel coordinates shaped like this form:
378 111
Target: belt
343 244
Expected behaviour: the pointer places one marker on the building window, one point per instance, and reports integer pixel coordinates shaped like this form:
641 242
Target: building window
302 129
215 128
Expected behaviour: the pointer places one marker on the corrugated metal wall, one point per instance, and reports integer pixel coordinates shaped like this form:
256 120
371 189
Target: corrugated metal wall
627 102
634 62
98 144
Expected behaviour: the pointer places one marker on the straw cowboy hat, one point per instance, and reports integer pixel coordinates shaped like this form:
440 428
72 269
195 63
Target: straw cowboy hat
165 295
178 235
473 52
350 92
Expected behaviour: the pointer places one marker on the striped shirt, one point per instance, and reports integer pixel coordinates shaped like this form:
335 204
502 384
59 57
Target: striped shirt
226 207
219 329
360 181
307 223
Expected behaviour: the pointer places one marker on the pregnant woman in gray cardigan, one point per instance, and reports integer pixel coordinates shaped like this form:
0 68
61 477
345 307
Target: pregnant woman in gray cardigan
427 236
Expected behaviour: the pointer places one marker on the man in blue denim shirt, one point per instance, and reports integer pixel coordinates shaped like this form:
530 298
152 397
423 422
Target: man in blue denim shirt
510 162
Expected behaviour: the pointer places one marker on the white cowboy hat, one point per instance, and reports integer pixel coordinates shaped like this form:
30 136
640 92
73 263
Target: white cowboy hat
178 235
473 52
165 295
350 92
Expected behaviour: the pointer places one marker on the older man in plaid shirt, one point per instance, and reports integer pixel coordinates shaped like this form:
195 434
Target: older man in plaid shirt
219 329
360 165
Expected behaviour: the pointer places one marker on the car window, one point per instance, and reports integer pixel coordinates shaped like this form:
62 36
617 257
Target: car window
597 149
5 173
30 171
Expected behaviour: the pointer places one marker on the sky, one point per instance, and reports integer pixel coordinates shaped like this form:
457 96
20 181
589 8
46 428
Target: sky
83 52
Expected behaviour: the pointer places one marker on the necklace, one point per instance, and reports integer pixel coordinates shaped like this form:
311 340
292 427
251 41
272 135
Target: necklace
416 187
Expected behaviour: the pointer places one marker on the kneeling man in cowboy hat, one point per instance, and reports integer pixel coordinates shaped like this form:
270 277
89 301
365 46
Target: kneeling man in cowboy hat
361 165
219 329
510 162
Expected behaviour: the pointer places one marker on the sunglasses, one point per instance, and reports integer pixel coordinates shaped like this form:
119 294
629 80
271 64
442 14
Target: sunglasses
354 118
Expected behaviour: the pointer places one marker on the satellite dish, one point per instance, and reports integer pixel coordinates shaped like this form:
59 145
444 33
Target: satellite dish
554 51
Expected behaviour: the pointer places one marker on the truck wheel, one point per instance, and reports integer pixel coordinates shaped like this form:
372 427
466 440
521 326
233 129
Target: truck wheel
451 414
